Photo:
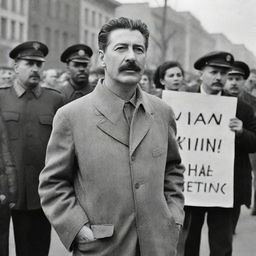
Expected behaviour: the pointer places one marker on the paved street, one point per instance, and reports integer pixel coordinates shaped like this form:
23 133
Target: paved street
244 240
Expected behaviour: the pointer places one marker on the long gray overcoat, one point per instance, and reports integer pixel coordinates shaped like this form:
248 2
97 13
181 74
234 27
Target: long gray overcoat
127 186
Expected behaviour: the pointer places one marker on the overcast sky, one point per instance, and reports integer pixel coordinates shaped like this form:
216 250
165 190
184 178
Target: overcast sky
234 18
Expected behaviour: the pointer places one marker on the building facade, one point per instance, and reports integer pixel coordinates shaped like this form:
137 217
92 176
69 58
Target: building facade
239 51
13 26
93 14
186 38
55 23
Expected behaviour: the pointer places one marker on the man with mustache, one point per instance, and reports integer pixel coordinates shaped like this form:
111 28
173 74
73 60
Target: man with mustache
113 179
77 57
28 110
214 68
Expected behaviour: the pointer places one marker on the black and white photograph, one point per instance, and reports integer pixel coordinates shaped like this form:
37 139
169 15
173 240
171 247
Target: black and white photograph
127 128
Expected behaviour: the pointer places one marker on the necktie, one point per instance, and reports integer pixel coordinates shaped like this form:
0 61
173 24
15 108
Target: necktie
128 112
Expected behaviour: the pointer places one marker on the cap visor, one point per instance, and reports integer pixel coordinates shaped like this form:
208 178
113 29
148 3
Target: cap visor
37 58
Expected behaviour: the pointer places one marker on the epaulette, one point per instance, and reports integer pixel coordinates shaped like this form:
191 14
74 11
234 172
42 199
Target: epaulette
6 85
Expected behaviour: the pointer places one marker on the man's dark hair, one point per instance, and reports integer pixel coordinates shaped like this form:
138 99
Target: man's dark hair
123 23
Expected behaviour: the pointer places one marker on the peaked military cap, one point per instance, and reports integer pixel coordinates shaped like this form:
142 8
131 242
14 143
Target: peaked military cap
215 59
78 53
30 50
240 68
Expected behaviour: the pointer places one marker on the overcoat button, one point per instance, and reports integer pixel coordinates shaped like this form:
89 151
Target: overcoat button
137 185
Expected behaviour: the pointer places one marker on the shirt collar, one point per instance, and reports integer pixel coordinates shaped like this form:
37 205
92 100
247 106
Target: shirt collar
111 106
20 90
135 100
202 91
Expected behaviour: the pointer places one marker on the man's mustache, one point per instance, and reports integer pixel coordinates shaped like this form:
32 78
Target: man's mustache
35 75
130 66
219 84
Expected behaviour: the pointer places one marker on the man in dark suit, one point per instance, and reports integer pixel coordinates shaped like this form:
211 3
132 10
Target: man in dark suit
28 111
214 68
235 87
77 57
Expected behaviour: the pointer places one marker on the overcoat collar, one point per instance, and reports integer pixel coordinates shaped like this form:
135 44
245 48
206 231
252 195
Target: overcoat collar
110 106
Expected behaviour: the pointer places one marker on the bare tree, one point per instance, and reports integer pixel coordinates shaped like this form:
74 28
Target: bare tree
165 35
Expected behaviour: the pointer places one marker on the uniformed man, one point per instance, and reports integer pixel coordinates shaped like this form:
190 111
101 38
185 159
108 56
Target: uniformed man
77 57
214 69
28 111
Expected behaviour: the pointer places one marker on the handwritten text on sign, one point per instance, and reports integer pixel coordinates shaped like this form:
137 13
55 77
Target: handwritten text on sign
206 146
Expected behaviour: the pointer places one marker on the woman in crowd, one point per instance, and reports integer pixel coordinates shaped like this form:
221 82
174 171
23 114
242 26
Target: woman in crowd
146 81
169 76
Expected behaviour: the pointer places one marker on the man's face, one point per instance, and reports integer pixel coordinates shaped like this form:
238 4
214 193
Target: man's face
251 81
234 84
79 72
28 72
125 56
51 77
213 79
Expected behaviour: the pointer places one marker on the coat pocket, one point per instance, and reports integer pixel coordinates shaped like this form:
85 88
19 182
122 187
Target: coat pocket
102 231
12 122
45 128
46 119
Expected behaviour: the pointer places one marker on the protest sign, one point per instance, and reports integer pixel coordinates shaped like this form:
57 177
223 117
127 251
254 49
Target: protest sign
206 145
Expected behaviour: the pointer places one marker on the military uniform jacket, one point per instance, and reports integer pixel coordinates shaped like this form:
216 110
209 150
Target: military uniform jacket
71 92
8 185
28 117
127 185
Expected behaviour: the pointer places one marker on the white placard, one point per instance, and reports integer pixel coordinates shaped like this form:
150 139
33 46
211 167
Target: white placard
206 146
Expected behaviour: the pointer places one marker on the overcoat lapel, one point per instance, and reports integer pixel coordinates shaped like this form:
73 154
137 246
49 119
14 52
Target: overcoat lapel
109 109
140 126
118 130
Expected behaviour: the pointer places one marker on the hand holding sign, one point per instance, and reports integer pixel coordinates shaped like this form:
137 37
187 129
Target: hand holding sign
206 143
236 125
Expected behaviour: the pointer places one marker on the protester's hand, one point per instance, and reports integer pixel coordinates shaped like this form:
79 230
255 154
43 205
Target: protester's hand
85 235
236 125
11 205
2 199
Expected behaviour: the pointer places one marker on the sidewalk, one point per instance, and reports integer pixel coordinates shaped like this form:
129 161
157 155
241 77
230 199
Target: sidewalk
244 240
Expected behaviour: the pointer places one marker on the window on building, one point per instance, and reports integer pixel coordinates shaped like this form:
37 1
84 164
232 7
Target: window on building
100 19
3 27
86 16
93 41
57 9
35 32
13 29
14 5
56 39
48 37
49 7
93 18
21 32
4 4
35 4
67 13
22 7
65 39
86 37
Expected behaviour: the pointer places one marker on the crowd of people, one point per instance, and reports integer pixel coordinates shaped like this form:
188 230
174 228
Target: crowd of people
94 154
